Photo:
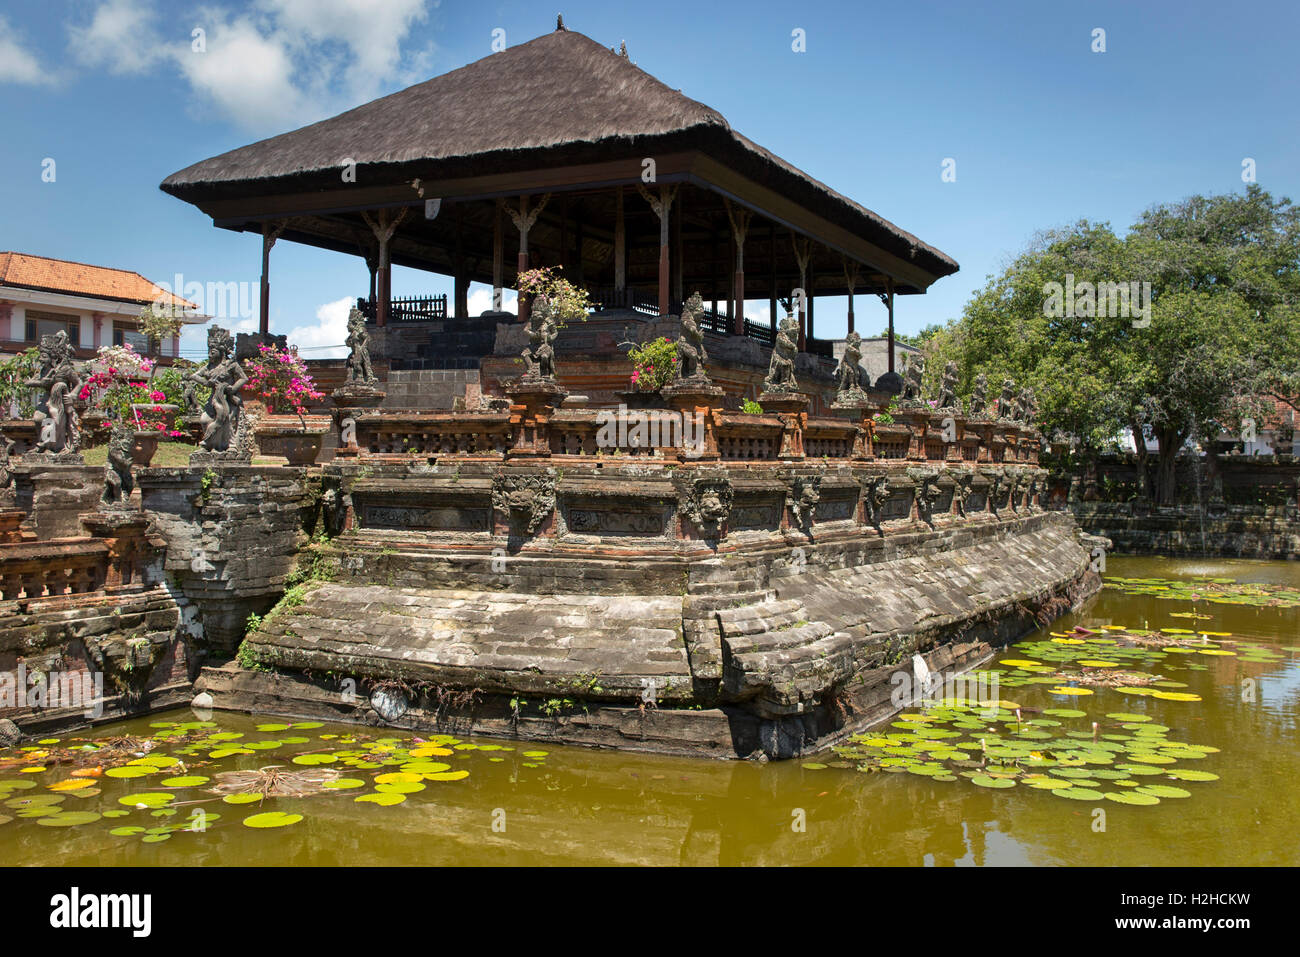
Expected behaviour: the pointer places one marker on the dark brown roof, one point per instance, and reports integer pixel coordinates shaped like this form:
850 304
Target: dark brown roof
559 95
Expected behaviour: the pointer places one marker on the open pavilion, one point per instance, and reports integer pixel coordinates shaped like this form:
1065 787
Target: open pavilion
562 152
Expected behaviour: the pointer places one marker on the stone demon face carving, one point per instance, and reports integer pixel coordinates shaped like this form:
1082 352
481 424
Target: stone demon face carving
708 504
532 496
802 497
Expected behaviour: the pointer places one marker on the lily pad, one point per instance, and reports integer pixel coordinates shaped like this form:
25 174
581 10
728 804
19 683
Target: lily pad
272 819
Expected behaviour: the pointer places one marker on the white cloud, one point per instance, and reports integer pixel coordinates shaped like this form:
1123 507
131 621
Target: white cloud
287 63
247 75
325 339
17 63
120 36
480 300
371 32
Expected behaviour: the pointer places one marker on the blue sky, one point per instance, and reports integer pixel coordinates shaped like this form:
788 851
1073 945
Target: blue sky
1043 130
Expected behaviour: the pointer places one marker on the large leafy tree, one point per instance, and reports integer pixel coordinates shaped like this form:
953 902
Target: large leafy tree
1222 330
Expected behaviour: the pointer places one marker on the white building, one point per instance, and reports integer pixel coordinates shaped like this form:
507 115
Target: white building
95 305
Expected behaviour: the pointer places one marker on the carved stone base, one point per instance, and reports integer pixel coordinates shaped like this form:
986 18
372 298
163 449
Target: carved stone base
792 409
350 398
358 395
66 457
696 397
784 402
229 457
533 402
857 406
853 401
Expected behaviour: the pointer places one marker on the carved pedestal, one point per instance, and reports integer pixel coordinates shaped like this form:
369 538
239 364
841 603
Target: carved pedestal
948 425
858 409
917 420
695 399
792 409
350 399
129 547
532 405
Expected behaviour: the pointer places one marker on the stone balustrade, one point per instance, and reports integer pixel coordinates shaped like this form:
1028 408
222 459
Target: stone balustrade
116 553
534 429
50 569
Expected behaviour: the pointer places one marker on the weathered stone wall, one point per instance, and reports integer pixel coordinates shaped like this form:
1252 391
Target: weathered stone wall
1228 504
782 626
132 638
54 496
1266 532
233 534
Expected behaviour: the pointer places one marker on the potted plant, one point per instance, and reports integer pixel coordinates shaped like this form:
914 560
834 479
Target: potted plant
121 389
654 365
280 379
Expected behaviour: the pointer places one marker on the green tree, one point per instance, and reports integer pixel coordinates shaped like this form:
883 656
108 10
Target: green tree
1222 327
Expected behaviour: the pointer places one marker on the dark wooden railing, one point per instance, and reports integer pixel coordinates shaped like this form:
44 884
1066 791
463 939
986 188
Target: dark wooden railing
408 309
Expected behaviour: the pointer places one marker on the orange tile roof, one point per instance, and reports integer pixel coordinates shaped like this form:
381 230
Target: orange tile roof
79 279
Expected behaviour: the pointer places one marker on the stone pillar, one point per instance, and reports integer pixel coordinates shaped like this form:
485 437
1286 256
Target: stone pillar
97 324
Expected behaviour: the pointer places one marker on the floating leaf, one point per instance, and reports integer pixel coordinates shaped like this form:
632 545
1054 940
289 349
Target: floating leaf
1131 797
451 775
149 799
272 819
69 819
380 798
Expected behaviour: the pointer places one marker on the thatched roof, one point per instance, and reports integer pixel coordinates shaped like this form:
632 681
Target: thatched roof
559 99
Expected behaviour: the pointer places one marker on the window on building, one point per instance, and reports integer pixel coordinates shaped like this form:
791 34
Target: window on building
127 335
48 323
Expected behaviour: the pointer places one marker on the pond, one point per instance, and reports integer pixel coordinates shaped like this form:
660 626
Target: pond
1193 761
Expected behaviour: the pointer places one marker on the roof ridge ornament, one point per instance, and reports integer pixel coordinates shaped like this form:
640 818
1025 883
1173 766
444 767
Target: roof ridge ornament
559 21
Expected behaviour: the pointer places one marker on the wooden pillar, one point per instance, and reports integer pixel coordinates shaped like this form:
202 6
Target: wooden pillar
739 219
579 273
662 206
771 256
676 261
889 303
383 224
270 233
524 220
523 224
851 283
460 278
498 257
802 254
812 281
620 251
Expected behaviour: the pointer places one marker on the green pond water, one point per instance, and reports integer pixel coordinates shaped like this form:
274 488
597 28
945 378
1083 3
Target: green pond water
966 787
